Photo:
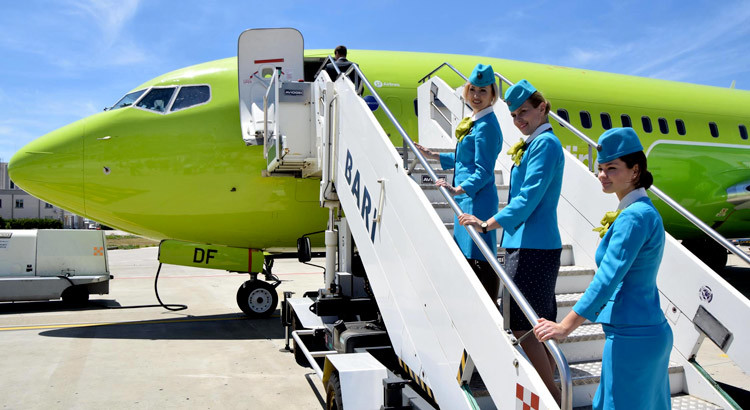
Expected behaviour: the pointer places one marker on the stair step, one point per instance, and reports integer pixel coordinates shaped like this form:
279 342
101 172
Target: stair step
565 302
585 344
433 194
688 402
422 178
586 380
571 278
445 212
400 150
680 402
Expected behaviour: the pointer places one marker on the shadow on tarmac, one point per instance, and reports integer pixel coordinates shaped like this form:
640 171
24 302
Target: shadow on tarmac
7 308
212 327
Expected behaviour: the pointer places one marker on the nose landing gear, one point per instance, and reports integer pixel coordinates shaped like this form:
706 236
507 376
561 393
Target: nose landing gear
258 298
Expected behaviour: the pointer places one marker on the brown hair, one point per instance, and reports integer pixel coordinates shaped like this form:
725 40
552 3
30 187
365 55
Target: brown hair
536 99
644 177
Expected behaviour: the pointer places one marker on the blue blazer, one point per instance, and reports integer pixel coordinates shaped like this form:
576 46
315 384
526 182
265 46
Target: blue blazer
530 218
474 163
623 291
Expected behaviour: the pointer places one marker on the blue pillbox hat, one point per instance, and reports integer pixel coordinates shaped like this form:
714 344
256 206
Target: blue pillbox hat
483 75
617 142
518 93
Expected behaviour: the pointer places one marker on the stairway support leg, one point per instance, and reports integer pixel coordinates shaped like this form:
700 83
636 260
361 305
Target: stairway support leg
331 240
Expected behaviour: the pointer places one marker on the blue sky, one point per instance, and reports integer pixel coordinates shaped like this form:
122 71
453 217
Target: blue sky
63 60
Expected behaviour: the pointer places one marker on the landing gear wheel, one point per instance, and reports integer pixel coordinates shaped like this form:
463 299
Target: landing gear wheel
333 393
75 296
257 298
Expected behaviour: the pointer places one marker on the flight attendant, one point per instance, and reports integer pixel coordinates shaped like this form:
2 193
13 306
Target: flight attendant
623 296
479 142
531 237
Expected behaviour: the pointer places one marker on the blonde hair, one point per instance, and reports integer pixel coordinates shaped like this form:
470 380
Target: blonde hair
495 92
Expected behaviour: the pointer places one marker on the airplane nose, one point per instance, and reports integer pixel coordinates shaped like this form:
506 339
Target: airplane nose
51 167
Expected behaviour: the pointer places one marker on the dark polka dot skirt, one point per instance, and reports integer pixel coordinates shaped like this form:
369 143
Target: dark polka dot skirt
534 271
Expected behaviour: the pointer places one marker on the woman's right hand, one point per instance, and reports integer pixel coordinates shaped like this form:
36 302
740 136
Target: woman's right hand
427 153
468 219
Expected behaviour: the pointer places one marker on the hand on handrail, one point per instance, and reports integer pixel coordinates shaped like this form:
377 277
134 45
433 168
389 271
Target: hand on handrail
470 220
427 152
451 189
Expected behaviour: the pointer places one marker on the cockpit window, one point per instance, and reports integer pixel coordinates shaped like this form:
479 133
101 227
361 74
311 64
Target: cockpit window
127 100
189 96
157 99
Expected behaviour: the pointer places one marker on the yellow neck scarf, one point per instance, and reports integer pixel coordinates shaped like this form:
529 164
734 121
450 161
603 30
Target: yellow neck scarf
607 221
516 152
463 128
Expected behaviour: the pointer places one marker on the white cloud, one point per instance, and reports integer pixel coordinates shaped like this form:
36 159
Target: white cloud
493 44
679 51
110 16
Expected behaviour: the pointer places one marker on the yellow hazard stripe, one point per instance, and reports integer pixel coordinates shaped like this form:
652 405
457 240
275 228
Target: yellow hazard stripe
416 379
462 367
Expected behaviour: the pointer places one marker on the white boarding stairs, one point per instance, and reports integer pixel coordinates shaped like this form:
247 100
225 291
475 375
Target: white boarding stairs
435 309
439 319
275 102
696 301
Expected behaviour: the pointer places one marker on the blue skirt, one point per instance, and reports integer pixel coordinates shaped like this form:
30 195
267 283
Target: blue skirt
635 368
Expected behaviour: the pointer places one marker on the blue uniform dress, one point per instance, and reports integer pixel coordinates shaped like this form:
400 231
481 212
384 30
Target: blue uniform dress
474 163
531 236
623 297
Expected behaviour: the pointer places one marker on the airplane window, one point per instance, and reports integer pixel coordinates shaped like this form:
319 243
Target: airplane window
606 120
156 99
646 121
563 113
626 122
680 126
663 126
191 95
127 100
585 119
714 129
743 132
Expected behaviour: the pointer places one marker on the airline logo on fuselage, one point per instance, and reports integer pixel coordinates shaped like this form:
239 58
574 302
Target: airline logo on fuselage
379 84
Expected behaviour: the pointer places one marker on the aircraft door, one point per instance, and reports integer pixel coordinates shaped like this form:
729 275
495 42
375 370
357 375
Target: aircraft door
260 53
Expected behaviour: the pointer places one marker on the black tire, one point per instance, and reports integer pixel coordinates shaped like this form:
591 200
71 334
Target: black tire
75 295
257 299
333 393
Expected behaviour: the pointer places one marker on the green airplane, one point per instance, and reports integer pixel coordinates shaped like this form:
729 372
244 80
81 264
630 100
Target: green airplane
180 170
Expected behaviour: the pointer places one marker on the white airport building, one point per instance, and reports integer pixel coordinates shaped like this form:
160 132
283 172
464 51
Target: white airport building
15 203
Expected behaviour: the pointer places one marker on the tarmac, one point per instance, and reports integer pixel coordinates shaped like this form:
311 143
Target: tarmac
114 354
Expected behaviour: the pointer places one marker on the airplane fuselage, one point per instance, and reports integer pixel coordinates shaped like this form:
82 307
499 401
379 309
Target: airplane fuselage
188 174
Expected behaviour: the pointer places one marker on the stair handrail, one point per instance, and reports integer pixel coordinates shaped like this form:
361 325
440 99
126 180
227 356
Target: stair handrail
445 64
330 60
566 379
656 191
275 85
